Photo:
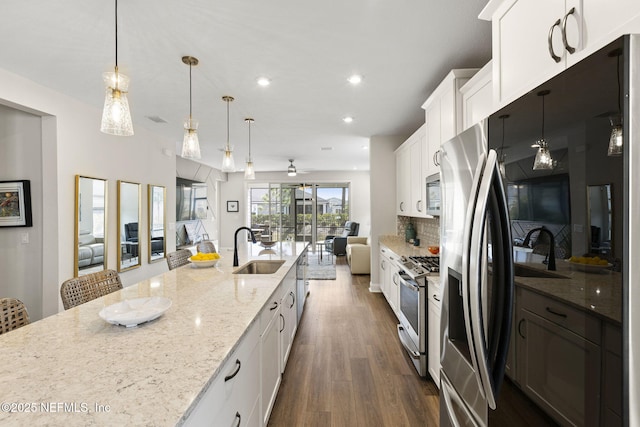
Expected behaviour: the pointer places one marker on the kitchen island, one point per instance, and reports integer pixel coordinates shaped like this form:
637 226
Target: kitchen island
73 368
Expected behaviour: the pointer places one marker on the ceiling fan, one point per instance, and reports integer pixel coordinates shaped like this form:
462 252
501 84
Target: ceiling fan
293 171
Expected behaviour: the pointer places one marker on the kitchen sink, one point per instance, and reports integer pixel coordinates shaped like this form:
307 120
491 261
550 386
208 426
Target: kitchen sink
525 271
260 267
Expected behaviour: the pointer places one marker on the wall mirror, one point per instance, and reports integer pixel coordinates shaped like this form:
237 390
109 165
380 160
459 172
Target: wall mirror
128 222
600 218
90 225
157 227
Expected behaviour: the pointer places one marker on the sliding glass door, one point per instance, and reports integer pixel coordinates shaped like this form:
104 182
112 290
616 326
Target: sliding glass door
300 212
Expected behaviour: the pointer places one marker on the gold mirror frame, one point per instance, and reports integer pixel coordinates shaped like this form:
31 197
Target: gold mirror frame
94 246
152 191
131 248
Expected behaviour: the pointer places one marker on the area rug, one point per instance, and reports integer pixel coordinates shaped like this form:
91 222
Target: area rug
321 269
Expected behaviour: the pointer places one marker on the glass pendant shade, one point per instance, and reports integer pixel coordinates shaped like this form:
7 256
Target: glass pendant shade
116 116
502 167
249 172
543 158
615 141
190 143
228 164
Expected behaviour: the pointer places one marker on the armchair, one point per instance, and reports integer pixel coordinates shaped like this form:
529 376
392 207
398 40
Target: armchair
338 244
359 255
131 235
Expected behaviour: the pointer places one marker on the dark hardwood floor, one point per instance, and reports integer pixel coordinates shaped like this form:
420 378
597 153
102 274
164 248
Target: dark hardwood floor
347 366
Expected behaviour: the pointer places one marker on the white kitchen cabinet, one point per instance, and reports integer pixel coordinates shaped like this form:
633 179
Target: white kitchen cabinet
234 395
534 40
389 283
559 359
477 97
270 369
433 329
410 175
287 317
443 115
403 180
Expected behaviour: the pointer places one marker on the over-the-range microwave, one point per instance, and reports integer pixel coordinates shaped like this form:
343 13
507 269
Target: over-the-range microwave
433 195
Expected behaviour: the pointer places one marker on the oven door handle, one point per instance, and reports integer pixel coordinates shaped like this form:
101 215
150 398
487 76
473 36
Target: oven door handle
406 343
408 283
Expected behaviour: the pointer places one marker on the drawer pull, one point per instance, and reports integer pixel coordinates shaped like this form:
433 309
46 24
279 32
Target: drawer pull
239 418
549 41
228 377
275 305
283 323
569 48
520 330
556 313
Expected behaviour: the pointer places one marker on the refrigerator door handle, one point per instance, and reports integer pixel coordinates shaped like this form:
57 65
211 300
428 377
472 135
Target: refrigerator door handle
469 265
491 357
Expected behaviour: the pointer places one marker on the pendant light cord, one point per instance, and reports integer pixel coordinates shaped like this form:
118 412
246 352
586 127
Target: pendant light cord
116 34
543 117
249 139
190 102
227 124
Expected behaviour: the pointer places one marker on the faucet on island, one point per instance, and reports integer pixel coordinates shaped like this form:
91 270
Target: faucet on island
551 256
235 243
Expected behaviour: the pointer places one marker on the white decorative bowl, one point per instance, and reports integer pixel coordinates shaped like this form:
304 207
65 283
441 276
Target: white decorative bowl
204 263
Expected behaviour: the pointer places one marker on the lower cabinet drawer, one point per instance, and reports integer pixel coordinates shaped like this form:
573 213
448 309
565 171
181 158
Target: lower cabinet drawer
577 321
233 393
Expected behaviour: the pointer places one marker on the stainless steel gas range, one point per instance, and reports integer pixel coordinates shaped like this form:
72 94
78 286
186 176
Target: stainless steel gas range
412 330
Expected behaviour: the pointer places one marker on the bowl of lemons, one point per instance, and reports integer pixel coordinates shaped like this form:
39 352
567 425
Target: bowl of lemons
202 260
589 263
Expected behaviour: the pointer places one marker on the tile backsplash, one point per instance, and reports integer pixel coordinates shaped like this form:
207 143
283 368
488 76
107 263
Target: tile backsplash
427 229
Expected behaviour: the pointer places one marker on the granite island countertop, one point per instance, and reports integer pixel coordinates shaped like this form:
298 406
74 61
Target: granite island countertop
599 292
73 368
398 246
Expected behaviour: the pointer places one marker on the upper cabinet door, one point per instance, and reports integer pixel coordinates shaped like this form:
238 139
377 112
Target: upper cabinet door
523 30
533 40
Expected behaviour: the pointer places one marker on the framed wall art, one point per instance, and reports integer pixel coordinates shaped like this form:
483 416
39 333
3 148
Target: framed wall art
232 206
15 204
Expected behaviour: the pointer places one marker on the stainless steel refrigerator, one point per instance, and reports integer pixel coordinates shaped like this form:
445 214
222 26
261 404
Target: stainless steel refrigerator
535 261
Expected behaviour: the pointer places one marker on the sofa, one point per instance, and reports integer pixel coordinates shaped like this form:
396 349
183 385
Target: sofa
90 250
359 255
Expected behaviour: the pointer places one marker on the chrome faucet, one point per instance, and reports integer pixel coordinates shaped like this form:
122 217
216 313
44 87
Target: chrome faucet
551 256
235 243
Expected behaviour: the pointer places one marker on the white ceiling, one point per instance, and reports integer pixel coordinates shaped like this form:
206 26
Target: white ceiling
403 48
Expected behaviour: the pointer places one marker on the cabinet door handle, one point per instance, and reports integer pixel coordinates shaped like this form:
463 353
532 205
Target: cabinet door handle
435 297
239 418
551 52
569 49
418 203
293 299
382 265
436 158
556 313
520 330
402 206
230 376
275 305
283 323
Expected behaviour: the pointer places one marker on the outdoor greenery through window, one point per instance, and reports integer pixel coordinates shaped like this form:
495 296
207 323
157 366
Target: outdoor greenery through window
300 212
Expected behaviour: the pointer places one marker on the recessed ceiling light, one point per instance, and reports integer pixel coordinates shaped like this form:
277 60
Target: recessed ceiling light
355 79
263 81
326 148
347 119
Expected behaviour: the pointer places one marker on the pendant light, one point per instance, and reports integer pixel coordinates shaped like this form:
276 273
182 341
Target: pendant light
501 161
291 170
616 137
190 143
543 160
249 172
116 116
228 164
